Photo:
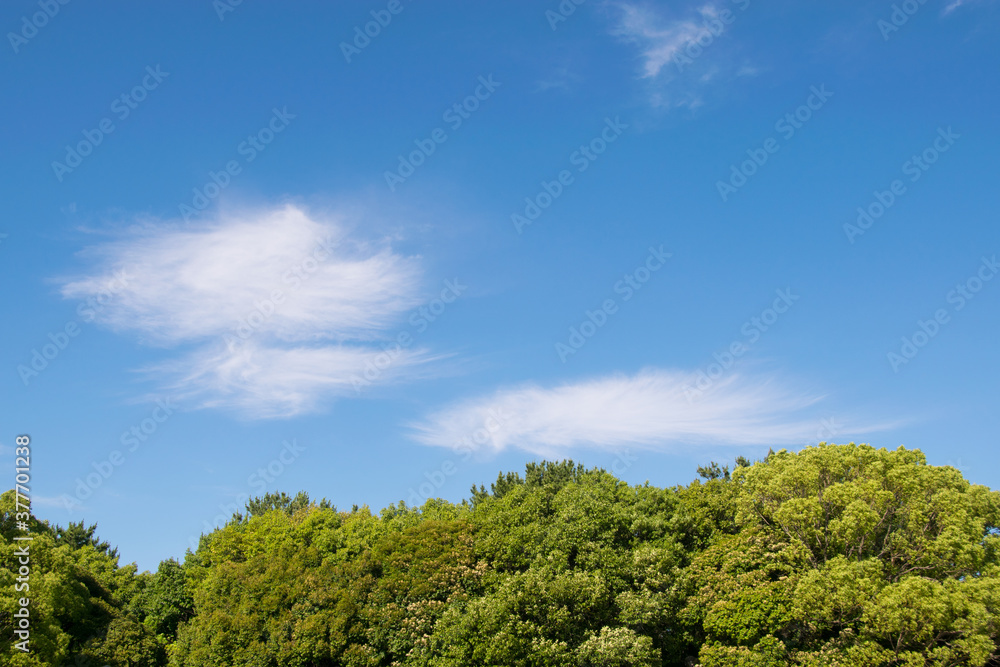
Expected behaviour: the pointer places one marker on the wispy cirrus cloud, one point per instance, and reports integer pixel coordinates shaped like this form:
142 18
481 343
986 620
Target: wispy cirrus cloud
956 4
279 309
952 6
660 40
560 78
680 55
187 284
649 409
271 381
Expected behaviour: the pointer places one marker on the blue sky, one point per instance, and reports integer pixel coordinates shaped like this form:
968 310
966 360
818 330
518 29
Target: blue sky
249 248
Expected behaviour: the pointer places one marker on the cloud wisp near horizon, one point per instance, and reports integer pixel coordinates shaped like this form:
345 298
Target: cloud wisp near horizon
652 409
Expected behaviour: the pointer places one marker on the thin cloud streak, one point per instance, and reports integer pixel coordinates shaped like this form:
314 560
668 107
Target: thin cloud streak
649 410
956 4
268 382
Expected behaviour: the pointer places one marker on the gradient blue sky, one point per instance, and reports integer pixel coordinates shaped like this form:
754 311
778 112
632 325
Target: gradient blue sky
674 95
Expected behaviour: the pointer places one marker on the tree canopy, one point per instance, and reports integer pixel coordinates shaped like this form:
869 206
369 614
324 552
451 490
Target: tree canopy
834 555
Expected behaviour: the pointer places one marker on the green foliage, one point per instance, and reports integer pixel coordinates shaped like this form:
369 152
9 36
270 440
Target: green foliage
618 647
278 501
76 535
164 601
835 555
79 596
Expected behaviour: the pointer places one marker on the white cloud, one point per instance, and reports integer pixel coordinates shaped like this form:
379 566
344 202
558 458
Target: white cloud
560 78
282 309
955 4
649 409
682 56
268 381
660 40
192 283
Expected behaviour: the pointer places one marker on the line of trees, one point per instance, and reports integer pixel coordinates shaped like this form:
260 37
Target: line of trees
835 555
